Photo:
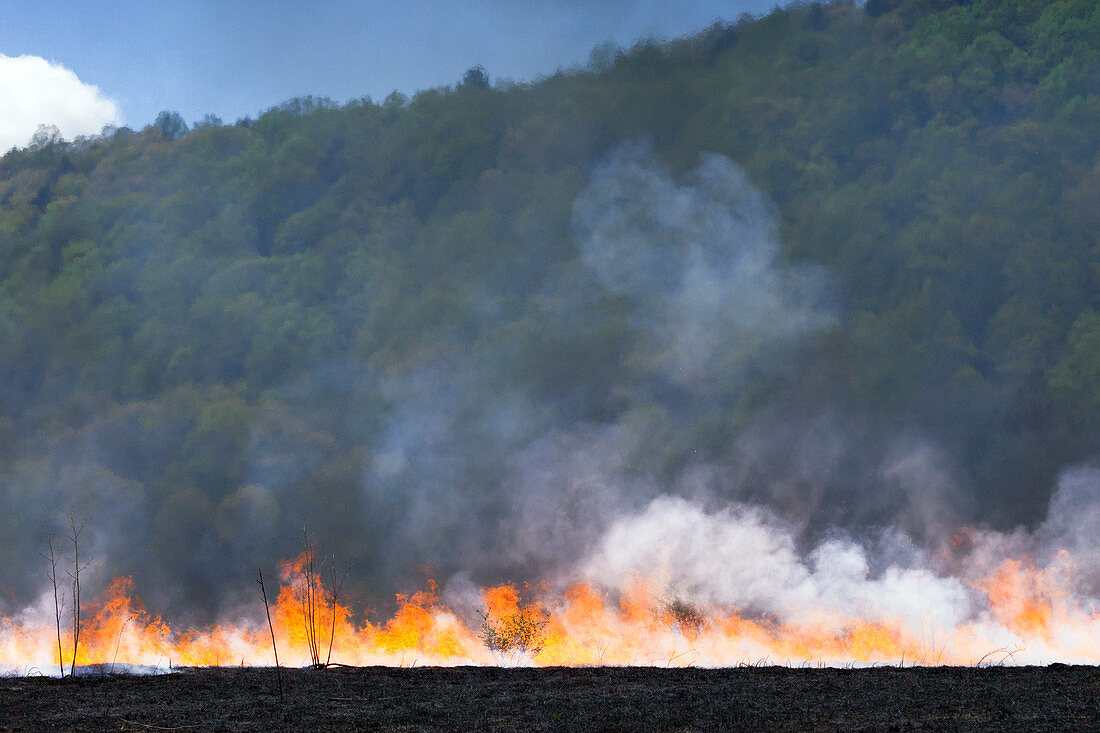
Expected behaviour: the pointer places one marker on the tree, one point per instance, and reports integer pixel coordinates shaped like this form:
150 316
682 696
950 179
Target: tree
171 125
476 78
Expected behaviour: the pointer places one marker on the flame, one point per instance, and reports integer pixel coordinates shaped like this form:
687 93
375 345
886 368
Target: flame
1029 613
1020 598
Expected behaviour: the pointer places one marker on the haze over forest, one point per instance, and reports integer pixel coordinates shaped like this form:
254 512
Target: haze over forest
836 262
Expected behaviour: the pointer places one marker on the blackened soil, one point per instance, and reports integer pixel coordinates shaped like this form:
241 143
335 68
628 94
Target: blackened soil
1058 697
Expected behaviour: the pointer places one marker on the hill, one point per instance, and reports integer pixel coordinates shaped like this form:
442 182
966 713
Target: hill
838 261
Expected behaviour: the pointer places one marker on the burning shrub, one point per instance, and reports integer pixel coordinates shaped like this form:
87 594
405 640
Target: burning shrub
509 627
523 631
683 614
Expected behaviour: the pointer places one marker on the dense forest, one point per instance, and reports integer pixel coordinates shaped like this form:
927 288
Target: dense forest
840 260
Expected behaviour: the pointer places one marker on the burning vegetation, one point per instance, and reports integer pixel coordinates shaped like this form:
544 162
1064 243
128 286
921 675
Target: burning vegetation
1025 614
773 344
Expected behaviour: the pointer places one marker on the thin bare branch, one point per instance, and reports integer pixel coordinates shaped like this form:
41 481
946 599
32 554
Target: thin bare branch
271 626
74 574
58 602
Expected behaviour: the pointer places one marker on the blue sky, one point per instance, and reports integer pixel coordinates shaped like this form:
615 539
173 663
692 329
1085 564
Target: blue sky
238 58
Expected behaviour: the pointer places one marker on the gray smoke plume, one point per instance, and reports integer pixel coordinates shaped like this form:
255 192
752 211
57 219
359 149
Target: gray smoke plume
651 406
475 473
701 262
1066 538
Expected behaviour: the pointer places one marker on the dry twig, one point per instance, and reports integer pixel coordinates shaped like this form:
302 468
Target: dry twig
58 602
271 627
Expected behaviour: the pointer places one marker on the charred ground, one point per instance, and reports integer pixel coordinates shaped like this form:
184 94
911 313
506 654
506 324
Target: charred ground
1057 697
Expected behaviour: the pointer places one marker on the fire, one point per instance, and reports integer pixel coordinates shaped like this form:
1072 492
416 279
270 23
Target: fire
1024 598
1029 614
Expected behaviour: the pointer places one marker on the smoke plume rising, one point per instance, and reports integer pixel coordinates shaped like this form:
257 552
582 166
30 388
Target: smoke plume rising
695 467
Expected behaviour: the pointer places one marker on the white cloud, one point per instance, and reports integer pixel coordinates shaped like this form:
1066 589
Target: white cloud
34 91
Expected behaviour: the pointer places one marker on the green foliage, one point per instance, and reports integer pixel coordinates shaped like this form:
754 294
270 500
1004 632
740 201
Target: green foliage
166 296
1075 379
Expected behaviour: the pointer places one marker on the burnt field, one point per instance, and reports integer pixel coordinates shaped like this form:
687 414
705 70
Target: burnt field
1057 697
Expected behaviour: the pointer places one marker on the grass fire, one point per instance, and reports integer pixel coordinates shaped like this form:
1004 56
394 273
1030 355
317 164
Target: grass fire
744 379
1021 614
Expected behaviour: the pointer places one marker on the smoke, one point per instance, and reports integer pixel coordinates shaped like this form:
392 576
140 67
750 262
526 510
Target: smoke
35 92
1065 539
744 557
562 489
506 442
647 411
822 467
808 515
479 471
701 262
753 558
1073 522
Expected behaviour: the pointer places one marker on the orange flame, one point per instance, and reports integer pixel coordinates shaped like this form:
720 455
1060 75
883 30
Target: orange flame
1026 599
1028 608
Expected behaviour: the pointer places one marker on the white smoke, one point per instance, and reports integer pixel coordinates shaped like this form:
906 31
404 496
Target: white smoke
1073 522
808 516
702 261
1065 540
36 92
745 558
561 489
486 472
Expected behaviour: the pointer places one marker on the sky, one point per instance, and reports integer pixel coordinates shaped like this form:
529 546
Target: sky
124 61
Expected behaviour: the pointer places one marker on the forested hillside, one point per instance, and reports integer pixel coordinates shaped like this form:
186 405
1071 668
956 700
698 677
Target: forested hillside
839 260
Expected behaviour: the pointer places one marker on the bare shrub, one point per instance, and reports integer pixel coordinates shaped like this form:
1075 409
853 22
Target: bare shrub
58 601
74 575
